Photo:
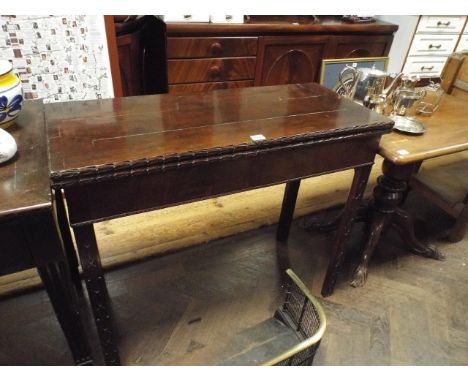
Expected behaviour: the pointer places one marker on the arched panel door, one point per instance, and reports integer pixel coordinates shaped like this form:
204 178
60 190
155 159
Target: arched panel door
362 46
290 59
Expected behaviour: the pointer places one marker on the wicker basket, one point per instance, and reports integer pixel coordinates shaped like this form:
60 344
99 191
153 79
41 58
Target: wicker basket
302 313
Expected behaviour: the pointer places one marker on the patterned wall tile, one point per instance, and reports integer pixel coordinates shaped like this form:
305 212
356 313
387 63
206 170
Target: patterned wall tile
58 58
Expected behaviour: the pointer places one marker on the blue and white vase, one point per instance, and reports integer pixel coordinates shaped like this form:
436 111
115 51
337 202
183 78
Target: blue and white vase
11 95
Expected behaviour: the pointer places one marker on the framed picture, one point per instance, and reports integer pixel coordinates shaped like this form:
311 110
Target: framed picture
331 69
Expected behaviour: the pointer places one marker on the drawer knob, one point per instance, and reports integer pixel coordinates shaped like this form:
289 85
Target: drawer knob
435 46
216 48
427 67
187 17
440 23
215 71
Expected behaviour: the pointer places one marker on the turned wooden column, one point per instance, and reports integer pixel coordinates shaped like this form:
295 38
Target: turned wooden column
385 212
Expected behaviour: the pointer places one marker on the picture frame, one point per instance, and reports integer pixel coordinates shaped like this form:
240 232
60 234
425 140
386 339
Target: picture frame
331 68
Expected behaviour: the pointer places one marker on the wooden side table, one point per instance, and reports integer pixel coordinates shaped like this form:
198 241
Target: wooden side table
128 155
447 133
28 233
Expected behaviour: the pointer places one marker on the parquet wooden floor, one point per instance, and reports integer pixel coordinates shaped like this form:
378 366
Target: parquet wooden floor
186 308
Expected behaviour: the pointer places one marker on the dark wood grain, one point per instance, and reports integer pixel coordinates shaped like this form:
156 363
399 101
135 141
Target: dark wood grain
290 59
124 156
141 48
328 25
201 47
28 233
208 86
362 46
287 49
214 69
25 179
126 132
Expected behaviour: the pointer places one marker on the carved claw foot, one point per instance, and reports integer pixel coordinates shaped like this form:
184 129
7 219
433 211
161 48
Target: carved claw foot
318 224
360 276
432 253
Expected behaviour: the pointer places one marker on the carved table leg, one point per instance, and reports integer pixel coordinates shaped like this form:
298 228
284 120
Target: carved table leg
97 291
287 210
379 221
59 287
388 195
42 236
361 176
403 224
64 227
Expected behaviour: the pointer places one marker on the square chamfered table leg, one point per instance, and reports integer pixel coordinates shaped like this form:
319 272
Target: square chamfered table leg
97 291
42 237
64 227
361 176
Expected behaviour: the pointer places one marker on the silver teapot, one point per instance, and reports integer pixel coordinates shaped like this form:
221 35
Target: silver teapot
368 85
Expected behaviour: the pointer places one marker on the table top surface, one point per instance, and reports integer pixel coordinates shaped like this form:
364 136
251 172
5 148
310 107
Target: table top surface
280 25
446 133
116 132
24 179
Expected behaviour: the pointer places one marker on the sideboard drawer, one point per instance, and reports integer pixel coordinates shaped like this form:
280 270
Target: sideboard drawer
429 44
198 47
207 86
208 70
448 24
425 66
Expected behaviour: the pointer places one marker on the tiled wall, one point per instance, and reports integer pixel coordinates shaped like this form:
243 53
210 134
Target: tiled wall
58 58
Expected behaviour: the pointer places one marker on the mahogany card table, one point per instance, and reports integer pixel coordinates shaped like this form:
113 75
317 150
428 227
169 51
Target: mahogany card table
123 156
29 236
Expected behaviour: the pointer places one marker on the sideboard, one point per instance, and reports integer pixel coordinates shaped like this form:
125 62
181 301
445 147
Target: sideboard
204 56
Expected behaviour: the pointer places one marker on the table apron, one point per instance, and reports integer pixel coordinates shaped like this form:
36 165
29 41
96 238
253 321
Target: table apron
114 197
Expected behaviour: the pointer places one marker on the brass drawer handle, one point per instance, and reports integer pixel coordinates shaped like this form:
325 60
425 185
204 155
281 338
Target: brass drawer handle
427 67
216 48
439 23
215 71
435 46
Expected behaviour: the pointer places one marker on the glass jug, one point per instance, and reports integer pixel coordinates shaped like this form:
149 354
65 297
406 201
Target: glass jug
431 100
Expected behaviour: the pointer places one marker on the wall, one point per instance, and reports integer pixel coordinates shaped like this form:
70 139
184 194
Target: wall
401 41
58 58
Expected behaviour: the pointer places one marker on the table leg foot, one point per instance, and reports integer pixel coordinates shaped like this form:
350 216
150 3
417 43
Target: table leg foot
379 222
97 291
57 283
318 224
329 285
361 175
360 276
403 224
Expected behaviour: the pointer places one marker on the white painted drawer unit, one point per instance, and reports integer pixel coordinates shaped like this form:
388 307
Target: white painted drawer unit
463 43
435 39
441 24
